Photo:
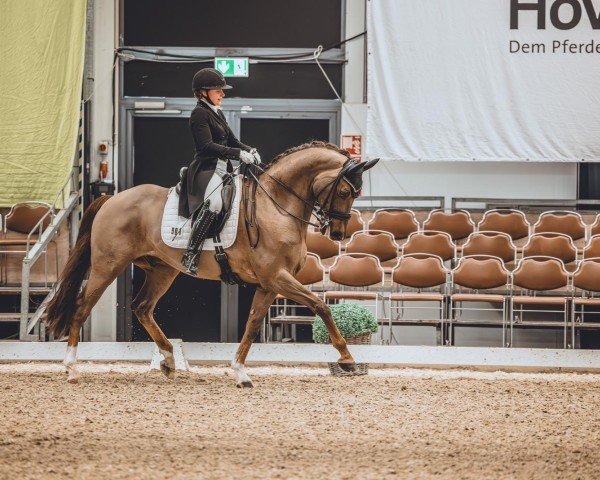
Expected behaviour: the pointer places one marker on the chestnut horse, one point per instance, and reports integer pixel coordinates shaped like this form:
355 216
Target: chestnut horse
116 231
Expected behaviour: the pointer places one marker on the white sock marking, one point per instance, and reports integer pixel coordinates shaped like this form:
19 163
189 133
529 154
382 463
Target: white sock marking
71 357
240 372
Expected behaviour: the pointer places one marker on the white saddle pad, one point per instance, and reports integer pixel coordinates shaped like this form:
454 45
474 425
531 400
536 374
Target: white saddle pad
175 230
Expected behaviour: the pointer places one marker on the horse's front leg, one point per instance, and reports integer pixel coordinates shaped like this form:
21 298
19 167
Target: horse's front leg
288 286
260 304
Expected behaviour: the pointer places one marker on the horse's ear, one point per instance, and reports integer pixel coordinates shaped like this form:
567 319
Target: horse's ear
368 164
356 167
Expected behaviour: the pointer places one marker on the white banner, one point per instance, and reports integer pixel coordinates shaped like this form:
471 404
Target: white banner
512 80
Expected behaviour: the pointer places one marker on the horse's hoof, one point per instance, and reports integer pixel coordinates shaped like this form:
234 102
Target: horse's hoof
246 384
168 371
348 367
72 380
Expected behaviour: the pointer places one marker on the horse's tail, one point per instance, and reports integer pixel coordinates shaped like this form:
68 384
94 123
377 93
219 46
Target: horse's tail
63 305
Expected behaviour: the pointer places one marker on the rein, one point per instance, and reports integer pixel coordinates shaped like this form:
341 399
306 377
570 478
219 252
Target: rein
324 217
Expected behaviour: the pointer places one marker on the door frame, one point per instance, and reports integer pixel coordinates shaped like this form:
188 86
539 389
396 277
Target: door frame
234 109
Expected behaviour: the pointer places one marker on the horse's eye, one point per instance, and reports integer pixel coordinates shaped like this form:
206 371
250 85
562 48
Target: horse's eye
343 194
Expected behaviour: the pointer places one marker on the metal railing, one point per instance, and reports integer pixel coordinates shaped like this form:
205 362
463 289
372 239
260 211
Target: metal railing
525 205
59 213
412 202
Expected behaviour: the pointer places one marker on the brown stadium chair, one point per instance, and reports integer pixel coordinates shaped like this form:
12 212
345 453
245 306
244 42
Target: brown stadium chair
592 247
312 272
557 245
355 270
355 224
431 242
512 222
496 244
586 280
595 227
23 226
353 274
376 242
321 245
458 224
283 312
540 274
480 276
418 278
26 218
399 222
561 221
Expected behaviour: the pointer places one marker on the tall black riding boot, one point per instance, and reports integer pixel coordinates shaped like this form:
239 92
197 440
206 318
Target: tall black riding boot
200 228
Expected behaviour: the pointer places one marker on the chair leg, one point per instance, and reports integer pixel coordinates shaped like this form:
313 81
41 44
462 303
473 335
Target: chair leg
511 320
377 309
450 340
263 331
443 308
390 324
572 312
565 323
504 322
389 319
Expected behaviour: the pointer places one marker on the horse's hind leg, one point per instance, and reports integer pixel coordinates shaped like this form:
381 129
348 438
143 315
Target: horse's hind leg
159 277
261 302
99 279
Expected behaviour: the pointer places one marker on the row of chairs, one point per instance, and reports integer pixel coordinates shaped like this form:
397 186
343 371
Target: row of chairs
459 223
539 284
384 246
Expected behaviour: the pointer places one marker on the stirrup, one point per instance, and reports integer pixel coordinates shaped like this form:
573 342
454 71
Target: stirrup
200 228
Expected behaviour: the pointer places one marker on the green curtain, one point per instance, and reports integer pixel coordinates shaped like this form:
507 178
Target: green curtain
42 47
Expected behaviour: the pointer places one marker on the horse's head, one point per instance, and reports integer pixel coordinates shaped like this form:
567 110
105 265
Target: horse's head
336 193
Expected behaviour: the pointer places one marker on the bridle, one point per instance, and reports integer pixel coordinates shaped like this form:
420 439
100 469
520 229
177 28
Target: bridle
330 213
324 213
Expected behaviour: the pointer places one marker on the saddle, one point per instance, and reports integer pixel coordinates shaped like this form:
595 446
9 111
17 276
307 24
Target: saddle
227 195
176 230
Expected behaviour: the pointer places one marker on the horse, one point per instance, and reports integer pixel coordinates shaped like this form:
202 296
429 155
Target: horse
315 178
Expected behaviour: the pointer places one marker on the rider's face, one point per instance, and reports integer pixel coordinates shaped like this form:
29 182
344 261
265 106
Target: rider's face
216 96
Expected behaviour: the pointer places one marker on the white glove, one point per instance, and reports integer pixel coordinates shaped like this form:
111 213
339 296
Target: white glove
254 152
247 157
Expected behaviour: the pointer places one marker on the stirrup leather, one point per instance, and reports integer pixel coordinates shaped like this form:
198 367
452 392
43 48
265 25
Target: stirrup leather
202 224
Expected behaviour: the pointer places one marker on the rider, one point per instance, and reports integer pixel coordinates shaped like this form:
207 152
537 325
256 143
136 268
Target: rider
215 145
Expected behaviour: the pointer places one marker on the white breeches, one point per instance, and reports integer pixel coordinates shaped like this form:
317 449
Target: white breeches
215 185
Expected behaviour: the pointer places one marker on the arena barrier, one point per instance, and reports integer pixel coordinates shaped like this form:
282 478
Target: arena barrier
484 358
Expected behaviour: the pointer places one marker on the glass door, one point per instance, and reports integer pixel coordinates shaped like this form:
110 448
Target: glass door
271 133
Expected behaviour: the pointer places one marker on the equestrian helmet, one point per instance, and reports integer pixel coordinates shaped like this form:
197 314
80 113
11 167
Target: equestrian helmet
209 79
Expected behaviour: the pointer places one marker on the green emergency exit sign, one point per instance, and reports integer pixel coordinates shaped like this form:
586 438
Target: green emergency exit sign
232 67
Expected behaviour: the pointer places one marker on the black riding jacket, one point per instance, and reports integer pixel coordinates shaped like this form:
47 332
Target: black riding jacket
213 139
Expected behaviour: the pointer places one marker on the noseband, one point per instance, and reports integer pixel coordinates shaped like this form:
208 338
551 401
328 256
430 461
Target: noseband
324 213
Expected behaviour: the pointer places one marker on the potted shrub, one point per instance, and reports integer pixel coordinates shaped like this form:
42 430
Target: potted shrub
356 324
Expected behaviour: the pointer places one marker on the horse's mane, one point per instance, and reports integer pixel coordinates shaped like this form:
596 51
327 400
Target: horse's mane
304 146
